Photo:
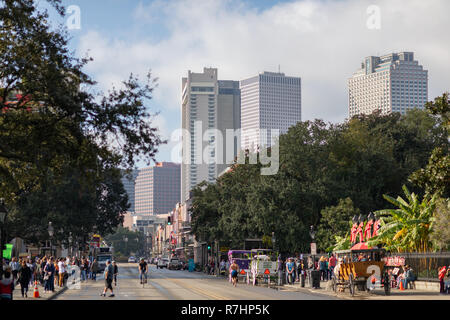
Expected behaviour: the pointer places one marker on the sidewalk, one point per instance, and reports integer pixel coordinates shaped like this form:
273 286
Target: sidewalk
378 294
17 294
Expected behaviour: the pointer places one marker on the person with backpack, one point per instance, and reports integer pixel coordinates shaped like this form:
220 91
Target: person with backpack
7 285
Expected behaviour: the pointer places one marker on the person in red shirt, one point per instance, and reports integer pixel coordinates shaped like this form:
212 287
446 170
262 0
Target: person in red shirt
331 265
441 278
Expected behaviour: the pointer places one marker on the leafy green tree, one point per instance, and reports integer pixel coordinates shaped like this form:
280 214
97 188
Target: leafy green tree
441 225
335 222
407 228
434 178
61 143
135 244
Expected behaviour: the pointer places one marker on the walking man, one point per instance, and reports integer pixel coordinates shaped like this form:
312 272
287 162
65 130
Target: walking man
234 273
94 269
14 267
24 278
109 274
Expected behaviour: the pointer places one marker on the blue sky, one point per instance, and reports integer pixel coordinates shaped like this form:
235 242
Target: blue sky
323 42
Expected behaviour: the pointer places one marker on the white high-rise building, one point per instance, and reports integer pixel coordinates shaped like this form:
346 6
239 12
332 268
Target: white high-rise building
210 107
391 83
269 101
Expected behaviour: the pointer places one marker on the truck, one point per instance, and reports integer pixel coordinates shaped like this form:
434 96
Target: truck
103 254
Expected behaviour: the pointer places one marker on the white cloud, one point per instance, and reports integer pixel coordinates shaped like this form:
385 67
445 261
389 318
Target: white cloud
324 42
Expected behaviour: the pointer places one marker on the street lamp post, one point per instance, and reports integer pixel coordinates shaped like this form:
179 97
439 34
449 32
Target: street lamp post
50 233
3 214
312 233
273 241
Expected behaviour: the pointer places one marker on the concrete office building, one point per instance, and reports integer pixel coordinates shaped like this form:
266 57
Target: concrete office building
268 101
391 83
128 181
157 189
208 104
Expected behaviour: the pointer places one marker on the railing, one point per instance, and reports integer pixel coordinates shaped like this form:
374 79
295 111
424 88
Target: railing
426 265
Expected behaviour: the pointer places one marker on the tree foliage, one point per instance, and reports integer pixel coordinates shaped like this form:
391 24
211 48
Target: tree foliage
320 165
61 144
407 228
441 225
336 222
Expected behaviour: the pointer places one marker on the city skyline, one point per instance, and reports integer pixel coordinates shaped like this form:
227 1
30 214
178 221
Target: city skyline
306 38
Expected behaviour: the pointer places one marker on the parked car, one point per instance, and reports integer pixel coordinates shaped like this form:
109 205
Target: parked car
174 264
131 260
162 263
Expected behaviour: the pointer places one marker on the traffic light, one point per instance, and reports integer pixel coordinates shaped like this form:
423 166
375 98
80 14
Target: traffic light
209 247
169 221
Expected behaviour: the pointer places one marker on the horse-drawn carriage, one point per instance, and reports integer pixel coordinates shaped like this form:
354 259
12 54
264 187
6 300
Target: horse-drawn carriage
263 265
363 268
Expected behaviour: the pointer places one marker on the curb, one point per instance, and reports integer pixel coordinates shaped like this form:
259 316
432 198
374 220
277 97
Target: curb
53 296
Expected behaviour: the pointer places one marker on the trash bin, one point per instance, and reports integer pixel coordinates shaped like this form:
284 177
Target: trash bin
315 279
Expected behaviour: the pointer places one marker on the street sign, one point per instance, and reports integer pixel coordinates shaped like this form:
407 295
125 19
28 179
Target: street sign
224 249
313 248
242 272
267 271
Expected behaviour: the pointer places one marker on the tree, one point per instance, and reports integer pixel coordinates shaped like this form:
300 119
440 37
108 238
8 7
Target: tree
335 222
135 244
441 225
61 144
407 228
435 177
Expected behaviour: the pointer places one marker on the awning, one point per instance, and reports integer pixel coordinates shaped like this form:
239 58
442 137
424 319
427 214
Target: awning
360 246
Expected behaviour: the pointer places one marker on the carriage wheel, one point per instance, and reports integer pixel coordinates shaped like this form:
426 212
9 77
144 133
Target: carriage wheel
387 285
351 284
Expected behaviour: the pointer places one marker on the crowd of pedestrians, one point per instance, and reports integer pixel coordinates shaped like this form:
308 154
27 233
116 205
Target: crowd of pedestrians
47 271
296 267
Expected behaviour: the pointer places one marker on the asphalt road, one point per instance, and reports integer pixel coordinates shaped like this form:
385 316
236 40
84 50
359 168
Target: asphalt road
166 284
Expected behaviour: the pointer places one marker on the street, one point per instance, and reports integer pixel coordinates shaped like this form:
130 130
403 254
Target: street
166 284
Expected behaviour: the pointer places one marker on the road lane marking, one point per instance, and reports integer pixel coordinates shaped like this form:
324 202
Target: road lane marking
198 290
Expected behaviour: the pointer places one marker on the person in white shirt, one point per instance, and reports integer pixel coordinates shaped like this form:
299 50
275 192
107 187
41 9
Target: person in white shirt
62 271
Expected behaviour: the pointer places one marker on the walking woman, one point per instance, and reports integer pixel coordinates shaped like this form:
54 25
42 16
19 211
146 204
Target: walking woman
7 285
49 277
24 278
323 268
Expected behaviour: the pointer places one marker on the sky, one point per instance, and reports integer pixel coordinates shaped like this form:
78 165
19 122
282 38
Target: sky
322 41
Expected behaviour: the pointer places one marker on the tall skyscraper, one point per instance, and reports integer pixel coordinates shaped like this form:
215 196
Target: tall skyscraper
268 101
128 181
157 189
391 83
210 107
